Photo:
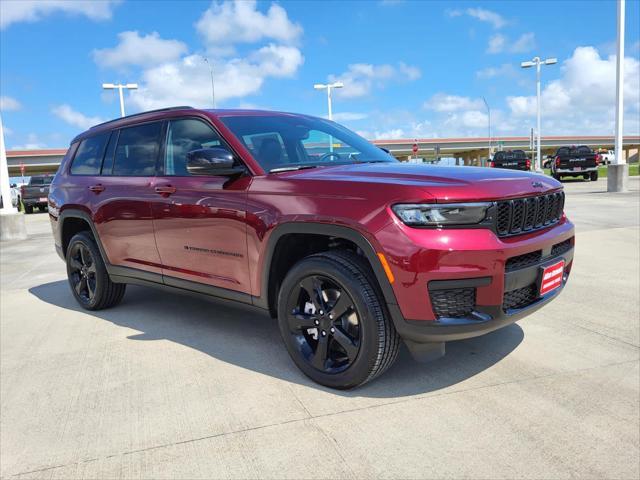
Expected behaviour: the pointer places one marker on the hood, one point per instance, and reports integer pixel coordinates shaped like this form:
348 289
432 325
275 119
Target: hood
444 184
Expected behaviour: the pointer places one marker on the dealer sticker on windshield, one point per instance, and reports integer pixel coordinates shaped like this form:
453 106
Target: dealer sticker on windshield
551 277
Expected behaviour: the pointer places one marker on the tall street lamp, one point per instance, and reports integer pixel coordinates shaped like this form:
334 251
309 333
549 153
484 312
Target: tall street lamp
328 87
536 62
618 172
213 93
489 118
120 87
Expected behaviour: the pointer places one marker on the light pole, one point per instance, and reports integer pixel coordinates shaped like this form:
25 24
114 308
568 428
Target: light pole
489 118
120 87
328 87
537 62
213 93
618 173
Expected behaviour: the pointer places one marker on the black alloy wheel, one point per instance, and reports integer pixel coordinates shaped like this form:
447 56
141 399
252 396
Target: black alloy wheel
324 324
334 321
82 272
88 278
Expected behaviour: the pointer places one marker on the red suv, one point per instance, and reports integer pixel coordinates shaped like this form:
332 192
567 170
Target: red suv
350 249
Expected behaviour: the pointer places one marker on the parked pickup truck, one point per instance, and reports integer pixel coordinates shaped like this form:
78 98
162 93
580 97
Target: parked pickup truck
578 161
35 193
514 160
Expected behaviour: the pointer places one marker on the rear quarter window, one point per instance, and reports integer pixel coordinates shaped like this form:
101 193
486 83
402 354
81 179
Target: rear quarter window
88 158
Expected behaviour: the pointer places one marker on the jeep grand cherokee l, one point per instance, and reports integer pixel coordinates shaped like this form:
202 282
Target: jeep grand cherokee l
348 248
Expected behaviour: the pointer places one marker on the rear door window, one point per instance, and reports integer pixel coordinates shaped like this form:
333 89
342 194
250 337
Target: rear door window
137 150
88 158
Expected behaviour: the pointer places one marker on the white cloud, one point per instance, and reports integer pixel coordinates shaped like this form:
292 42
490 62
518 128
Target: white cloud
136 50
75 118
481 14
582 100
496 43
349 116
187 81
172 75
34 10
499 43
9 104
524 43
442 102
32 143
504 70
241 22
361 78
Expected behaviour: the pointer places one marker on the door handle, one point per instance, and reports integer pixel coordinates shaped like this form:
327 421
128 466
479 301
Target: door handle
165 190
96 188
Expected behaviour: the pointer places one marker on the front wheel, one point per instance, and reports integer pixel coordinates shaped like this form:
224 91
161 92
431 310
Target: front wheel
334 322
88 277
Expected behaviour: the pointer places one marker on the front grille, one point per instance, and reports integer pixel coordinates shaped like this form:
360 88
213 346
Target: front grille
523 215
522 261
453 302
519 298
562 247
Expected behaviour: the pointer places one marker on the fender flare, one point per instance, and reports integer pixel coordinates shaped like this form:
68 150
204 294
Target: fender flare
329 230
76 213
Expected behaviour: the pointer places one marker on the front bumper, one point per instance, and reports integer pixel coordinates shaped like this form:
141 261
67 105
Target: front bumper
468 259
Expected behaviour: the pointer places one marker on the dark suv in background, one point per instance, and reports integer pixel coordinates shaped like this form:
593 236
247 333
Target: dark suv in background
348 248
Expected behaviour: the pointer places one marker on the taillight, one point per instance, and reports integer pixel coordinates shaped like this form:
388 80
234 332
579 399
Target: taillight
491 164
597 159
22 190
528 164
557 161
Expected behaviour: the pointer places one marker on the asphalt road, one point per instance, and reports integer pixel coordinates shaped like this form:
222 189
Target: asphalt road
174 387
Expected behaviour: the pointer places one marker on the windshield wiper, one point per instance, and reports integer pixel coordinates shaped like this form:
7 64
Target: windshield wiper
291 168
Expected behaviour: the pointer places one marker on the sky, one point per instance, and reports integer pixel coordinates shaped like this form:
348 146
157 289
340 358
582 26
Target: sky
411 69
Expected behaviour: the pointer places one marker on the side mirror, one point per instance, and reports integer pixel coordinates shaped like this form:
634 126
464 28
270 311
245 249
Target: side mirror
216 161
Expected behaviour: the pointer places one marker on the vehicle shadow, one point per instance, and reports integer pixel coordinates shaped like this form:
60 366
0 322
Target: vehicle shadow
246 337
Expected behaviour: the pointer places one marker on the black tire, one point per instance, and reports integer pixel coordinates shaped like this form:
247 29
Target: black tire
88 277
594 176
585 177
556 176
360 344
42 208
28 209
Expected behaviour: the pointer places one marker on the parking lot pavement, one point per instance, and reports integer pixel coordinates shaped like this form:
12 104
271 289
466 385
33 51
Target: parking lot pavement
170 386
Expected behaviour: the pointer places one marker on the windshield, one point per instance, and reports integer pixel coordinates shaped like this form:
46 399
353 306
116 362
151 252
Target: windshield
283 142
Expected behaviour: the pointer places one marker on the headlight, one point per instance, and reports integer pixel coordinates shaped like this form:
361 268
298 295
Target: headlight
441 214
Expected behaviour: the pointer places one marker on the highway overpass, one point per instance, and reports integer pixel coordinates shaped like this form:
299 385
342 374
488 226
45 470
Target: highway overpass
469 151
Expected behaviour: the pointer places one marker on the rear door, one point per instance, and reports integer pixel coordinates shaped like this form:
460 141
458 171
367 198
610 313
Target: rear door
200 221
123 196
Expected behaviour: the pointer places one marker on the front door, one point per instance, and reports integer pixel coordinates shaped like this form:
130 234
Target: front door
200 221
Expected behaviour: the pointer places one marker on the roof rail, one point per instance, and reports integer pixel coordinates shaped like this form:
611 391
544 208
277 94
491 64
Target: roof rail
133 115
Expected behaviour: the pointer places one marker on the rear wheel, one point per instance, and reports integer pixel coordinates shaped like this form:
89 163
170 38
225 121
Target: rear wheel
88 277
586 177
333 320
28 209
42 208
594 176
